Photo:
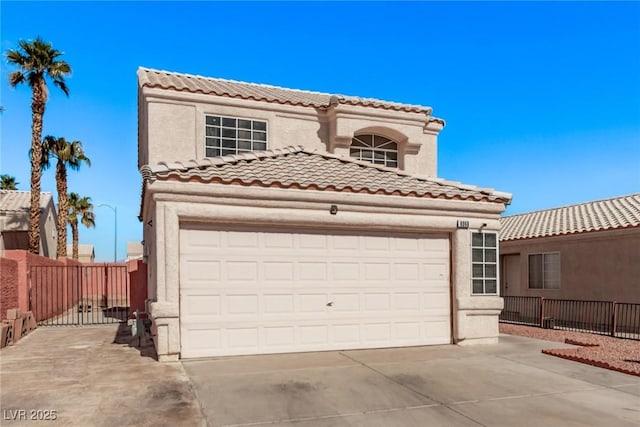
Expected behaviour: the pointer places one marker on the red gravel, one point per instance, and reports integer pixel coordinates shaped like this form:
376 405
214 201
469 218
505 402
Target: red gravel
618 354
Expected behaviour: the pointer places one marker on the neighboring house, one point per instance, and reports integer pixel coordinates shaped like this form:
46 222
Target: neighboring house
589 251
338 236
134 250
86 252
14 222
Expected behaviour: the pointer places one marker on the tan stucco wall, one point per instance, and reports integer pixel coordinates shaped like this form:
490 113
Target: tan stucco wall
475 318
48 232
172 126
600 265
19 221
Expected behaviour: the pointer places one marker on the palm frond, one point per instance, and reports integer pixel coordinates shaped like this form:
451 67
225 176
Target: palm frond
36 59
8 182
62 85
16 78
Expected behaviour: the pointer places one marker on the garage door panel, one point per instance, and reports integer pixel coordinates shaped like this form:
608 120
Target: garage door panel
201 305
377 302
312 271
312 303
376 270
246 292
241 270
278 270
202 270
240 239
406 301
242 338
313 335
313 241
345 242
346 302
279 303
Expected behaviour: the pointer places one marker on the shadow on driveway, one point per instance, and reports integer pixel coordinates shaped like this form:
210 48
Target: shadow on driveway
93 376
507 384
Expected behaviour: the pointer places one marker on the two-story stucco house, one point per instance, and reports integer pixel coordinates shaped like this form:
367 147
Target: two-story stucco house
279 220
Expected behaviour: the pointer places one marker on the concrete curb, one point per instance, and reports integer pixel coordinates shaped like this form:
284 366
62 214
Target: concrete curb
569 354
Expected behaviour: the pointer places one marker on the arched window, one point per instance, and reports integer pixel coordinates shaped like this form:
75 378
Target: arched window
376 149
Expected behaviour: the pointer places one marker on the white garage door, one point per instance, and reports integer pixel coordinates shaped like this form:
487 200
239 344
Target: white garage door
255 292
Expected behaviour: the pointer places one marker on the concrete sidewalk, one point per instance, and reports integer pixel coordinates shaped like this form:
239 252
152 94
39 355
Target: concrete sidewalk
507 384
90 376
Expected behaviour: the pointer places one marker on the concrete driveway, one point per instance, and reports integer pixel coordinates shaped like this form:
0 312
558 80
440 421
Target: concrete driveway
90 376
507 384
93 377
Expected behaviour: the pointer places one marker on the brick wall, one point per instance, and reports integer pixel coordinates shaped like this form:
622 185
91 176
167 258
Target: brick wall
8 286
52 285
56 288
138 285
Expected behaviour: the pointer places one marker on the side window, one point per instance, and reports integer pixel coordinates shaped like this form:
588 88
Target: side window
484 263
376 149
544 271
232 135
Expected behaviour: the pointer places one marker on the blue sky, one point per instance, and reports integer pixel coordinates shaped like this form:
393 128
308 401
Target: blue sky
541 99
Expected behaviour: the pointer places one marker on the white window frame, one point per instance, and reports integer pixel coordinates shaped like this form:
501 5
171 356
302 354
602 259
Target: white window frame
480 260
389 157
251 142
547 284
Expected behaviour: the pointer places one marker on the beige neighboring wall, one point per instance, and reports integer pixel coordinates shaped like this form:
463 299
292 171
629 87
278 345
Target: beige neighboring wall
86 253
597 265
14 222
172 127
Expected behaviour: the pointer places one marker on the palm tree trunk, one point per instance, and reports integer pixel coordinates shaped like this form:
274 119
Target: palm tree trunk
63 209
37 111
74 234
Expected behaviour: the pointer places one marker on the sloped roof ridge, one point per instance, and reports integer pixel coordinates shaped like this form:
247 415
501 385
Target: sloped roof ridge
148 170
19 200
349 99
596 215
222 79
575 205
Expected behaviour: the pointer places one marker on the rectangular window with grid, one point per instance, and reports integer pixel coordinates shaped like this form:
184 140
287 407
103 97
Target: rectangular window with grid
544 271
233 135
484 263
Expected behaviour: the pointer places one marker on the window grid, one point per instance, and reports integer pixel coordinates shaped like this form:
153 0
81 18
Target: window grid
544 270
233 135
375 149
484 263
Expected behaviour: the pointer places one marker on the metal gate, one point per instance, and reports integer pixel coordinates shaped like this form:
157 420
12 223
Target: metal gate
79 294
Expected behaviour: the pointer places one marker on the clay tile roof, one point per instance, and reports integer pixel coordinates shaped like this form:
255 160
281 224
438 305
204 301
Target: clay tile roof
294 167
20 201
609 214
261 92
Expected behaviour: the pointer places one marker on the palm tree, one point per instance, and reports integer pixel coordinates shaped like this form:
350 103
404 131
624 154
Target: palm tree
79 206
8 182
69 155
37 60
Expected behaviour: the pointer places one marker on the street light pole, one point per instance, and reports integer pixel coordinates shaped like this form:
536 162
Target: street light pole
115 229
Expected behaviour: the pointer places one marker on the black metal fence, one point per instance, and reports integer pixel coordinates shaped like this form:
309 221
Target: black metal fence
612 318
79 294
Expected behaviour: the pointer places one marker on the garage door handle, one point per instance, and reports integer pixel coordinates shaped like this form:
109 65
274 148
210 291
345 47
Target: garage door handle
330 304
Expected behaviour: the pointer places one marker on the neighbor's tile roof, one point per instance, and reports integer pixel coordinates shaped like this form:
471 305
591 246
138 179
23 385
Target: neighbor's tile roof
261 92
294 167
619 212
20 201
